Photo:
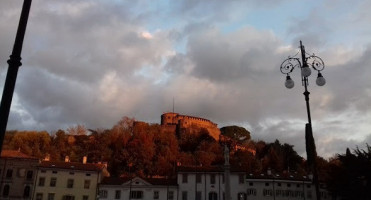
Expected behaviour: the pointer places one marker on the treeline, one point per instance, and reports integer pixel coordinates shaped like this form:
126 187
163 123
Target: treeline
148 149
142 149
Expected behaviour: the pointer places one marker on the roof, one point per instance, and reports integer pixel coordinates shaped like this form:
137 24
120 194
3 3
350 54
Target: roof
16 154
152 181
249 175
72 165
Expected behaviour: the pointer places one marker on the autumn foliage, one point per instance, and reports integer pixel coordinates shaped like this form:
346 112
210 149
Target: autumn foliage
137 148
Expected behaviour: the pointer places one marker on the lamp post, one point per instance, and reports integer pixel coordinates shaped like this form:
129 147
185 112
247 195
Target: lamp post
11 76
307 62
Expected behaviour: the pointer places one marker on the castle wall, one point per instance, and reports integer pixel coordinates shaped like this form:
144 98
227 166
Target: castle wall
184 121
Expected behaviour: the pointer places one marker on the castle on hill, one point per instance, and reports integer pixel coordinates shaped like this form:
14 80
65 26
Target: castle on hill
177 122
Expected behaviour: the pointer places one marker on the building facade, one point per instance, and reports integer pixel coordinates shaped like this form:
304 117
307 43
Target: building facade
208 183
138 188
68 180
17 172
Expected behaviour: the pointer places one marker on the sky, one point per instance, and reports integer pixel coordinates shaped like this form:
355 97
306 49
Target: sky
92 62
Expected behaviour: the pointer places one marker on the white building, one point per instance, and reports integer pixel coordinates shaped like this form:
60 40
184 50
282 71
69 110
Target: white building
207 183
138 188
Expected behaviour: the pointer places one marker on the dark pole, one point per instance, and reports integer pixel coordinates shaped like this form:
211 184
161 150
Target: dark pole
11 76
312 154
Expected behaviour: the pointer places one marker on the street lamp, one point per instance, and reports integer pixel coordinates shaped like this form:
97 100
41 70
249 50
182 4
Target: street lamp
307 62
11 76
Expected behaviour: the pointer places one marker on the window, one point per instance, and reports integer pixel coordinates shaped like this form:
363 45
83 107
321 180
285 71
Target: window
117 194
241 179
70 183
309 194
242 196
184 178
170 195
41 181
266 184
43 171
323 195
85 197
39 196
68 197
298 185
9 173
53 182
279 184
6 190
223 178
198 178
308 185
29 175
212 178
156 195
26 191
267 192
72 173
103 193
251 192
88 174
299 194
288 185
184 195
279 193
198 195
51 196
251 184
136 194
213 196
54 172
86 184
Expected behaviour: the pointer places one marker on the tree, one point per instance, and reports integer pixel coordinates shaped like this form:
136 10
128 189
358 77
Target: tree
32 143
236 133
77 130
350 174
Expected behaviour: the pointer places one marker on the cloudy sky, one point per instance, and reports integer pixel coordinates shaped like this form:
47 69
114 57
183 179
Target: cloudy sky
92 62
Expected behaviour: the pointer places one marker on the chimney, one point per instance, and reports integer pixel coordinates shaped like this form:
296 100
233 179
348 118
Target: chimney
84 159
269 171
47 157
67 159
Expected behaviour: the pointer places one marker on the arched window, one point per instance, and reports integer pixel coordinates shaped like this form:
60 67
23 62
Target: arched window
213 196
242 196
6 191
26 192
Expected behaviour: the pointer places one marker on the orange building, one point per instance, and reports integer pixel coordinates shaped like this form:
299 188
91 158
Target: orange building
172 120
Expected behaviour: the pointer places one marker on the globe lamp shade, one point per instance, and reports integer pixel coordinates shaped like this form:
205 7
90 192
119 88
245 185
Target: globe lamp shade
306 71
320 80
289 83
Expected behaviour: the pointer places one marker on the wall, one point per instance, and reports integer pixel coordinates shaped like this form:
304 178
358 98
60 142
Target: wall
19 181
62 175
189 122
